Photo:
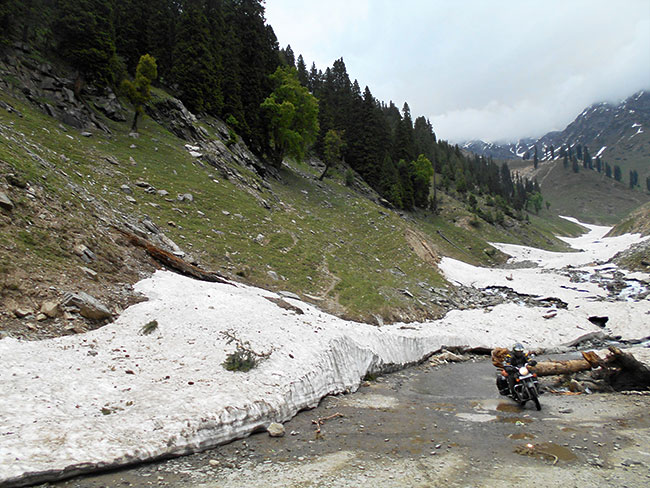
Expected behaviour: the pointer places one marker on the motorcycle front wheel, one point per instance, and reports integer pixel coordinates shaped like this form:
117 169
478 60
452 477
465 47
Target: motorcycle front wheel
533 396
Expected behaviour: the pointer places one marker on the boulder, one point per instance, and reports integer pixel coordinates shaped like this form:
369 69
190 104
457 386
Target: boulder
275 429
88 306
22 312
5 202
50 308
174 116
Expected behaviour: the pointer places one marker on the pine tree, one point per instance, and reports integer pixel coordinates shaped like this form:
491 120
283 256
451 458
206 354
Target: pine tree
565 161
303 75
288 57
404 145
389 185
618 175
86 39
315 79
195 68
259 57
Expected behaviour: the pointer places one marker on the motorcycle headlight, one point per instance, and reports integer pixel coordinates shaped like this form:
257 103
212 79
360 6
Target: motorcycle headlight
523 371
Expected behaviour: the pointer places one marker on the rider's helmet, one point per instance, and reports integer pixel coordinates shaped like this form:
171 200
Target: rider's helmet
518 350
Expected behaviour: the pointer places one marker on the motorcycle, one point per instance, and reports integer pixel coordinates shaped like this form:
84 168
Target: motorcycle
525 386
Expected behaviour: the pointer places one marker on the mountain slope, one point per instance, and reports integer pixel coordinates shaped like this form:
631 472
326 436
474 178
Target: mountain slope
618 134
195 192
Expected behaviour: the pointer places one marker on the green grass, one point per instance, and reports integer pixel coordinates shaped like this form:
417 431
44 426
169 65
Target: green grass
320 238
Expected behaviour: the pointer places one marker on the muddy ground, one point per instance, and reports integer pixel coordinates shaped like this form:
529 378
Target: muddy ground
426 426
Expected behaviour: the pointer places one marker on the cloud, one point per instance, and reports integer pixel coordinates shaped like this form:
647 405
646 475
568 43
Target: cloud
491 70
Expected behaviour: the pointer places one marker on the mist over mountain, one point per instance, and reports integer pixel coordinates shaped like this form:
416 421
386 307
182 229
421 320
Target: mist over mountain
617 134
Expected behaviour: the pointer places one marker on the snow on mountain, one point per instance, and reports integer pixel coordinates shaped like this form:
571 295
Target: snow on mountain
601 125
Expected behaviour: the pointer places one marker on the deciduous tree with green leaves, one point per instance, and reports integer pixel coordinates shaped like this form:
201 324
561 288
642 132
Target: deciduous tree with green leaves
421 174
332 147
138 91
292 116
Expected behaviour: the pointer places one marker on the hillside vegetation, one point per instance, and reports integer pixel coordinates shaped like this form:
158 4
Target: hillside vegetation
330 242
587 195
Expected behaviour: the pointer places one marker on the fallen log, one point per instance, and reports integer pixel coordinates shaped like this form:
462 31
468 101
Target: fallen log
173 262
620 370
589 361
552 368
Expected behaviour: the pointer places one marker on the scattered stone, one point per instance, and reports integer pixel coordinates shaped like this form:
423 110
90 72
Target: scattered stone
575 387
288 294
88 306
126 189
185 197
22 313
275 430
16 181
112 159
50 308
143 184
84 253
130 199
5 202
225 212
162 193
259 239
565 410
74 329
89 272
151 227
131 160
41 316
280 302
213 462
273 275
86 134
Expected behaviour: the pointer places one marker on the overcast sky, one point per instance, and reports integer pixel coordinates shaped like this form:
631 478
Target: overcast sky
478 69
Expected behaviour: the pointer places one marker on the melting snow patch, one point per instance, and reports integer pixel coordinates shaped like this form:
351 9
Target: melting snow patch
113 397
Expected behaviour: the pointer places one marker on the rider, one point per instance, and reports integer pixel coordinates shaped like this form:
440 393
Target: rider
516 358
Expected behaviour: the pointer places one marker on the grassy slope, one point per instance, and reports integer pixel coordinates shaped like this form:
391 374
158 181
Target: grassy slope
324 240
587 195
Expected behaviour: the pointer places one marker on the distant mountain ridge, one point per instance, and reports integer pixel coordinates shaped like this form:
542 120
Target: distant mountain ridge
618 134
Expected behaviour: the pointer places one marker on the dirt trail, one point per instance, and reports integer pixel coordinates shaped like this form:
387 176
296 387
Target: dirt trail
422 427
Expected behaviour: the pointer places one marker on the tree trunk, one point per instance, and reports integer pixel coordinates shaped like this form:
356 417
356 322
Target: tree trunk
549 368
78 85
134 125
320 178
173 262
